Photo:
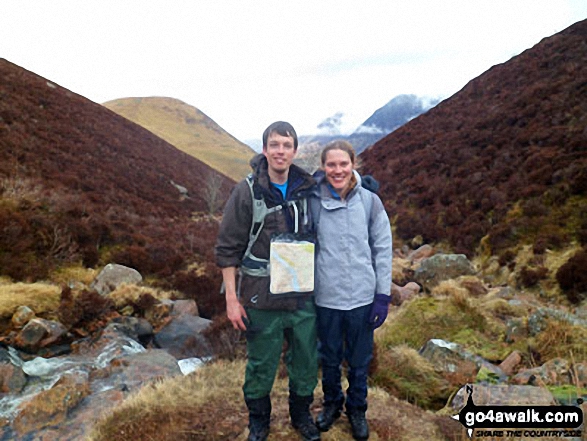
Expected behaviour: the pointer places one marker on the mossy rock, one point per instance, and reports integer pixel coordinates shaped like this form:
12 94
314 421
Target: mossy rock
568 395
446 318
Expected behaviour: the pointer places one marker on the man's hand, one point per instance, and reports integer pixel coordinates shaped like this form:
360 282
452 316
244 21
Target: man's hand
234 310
235 313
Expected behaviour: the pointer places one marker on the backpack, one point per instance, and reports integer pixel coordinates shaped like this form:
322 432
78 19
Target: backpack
252 265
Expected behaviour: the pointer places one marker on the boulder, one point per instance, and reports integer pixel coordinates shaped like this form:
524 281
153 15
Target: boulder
131 371
452 358
538 320
503 395
510 363
22 316
439 267
182 337
12 377
423 252
51 407
137 328
114 275
400 294
555 372
39 333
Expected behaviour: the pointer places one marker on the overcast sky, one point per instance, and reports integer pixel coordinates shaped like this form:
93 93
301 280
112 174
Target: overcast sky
248 63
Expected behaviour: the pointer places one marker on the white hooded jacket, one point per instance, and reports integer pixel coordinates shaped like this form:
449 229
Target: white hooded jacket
354 251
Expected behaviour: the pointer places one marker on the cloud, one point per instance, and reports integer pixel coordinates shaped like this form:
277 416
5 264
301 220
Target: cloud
247 64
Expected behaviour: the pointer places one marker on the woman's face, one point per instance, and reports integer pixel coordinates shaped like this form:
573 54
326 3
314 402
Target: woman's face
338 169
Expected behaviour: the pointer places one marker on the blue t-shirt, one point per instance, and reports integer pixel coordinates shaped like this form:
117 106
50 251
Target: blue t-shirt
282 188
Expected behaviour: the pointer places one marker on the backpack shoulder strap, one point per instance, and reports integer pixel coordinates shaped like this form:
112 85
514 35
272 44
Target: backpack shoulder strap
259 212
367 200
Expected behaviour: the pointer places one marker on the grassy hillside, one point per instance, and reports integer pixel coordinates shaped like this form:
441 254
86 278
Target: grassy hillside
189 130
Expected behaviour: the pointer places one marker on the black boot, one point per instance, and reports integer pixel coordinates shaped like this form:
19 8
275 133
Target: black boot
330 413
359 426
301 419
259 417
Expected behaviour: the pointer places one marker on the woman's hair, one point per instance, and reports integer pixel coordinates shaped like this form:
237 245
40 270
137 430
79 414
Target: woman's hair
281 128
339 144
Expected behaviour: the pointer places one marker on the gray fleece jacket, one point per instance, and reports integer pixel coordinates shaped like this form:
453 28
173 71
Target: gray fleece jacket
353 259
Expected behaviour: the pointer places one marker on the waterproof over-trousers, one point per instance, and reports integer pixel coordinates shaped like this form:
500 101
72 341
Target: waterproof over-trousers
345 335
265 334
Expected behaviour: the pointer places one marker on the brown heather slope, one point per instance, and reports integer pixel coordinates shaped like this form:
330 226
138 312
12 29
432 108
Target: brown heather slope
188 129
79 183
504 157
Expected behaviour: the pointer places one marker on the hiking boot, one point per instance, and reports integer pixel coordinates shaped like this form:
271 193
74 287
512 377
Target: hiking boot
326 418
301 419
259 418
359 426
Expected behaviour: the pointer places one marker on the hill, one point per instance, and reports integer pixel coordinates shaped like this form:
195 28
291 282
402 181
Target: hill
80 185
501 163
188 129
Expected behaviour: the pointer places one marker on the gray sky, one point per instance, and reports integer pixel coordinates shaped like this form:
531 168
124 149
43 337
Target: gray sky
248 63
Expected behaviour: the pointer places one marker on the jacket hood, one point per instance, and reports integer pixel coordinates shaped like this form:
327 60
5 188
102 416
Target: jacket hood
256 161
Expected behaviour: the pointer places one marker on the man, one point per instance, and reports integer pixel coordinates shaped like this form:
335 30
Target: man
268 320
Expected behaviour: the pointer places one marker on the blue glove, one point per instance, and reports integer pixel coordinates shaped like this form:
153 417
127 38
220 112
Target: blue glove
379 310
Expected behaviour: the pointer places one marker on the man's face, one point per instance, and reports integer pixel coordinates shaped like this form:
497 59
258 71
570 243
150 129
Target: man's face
279 152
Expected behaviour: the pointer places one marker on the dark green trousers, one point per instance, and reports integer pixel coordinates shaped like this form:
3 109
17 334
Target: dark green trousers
266 333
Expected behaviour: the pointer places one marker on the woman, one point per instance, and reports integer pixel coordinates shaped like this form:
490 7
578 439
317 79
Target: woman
353 282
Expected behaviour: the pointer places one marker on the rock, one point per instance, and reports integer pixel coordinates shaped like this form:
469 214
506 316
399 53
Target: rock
131 371
159 312
473 285
22 316
39 333
112 343
503 395
423 252
511 362
452 358
580 374
189 365
538 320
165 308
108 368
51 407
12 377
400 294
439 267
182 337
138 329
188 307
555 372
516 330
114 275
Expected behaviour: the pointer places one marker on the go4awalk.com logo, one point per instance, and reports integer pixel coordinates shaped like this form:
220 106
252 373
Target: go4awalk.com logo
520 421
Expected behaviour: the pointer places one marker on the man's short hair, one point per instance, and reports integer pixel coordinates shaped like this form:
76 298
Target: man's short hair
282 128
